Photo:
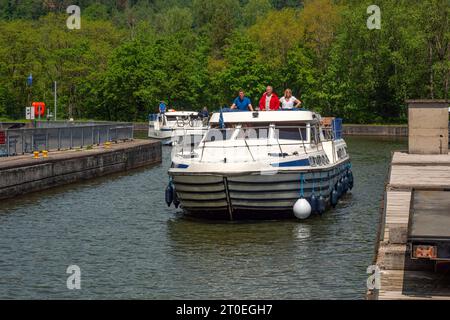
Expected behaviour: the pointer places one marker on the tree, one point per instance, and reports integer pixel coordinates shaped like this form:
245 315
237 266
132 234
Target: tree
254 9
174 20
217 19
243 68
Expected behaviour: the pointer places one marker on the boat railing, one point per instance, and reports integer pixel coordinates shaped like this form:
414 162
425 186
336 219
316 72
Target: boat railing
254 140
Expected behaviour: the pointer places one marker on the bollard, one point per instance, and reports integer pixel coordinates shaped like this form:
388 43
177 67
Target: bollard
45 153
36 154
107 145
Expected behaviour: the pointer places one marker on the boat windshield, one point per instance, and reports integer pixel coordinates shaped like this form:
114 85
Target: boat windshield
246 131
291 133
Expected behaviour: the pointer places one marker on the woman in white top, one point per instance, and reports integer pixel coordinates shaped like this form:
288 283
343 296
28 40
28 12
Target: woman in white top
289 101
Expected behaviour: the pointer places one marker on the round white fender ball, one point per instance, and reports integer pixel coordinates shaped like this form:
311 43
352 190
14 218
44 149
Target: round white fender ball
302 209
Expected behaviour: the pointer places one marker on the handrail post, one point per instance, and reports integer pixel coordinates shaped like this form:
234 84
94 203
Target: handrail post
59 139
46 140
71 137
7 143
82 137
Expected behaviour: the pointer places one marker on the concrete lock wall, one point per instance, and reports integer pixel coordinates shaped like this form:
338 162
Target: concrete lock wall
428 126
375 130
72 167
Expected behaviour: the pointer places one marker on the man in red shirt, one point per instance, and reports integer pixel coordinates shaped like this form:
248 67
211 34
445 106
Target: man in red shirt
269 101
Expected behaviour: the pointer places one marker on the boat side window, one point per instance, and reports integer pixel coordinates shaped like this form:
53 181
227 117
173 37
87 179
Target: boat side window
253 133
327 133
291 133
314 135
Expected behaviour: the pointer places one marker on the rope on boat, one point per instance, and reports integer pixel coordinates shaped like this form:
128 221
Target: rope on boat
313 184
302 179
320 184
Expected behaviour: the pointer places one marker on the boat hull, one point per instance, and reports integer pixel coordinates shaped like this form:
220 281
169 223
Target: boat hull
253 195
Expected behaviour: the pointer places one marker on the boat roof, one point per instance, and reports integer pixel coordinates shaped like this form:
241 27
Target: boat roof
266 116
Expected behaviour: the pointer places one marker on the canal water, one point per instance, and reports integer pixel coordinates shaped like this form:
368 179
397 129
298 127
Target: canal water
129 245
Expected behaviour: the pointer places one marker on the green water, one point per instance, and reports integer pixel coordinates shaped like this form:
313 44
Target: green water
128 244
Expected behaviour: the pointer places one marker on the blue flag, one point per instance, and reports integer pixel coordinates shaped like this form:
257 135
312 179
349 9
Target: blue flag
221 121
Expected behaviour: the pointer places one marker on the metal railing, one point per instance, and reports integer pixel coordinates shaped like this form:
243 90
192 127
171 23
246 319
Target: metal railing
27 140
305 137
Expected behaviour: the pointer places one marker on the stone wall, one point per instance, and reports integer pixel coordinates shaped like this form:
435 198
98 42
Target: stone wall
22 175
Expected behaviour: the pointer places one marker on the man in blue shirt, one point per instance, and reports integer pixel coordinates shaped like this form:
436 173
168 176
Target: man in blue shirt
242 102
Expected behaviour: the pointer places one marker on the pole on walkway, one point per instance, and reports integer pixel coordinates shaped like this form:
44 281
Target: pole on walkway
55 101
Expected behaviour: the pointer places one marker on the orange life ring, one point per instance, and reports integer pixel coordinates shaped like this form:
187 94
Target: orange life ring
39 109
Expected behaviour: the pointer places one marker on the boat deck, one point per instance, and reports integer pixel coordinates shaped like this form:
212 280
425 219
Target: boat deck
422 177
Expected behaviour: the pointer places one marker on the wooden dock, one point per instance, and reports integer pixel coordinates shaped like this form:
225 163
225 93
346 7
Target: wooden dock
403 278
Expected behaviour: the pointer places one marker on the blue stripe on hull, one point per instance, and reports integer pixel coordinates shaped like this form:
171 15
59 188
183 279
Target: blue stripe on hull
296 163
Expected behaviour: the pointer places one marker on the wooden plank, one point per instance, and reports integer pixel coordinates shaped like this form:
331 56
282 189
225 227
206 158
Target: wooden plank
403 176
420 159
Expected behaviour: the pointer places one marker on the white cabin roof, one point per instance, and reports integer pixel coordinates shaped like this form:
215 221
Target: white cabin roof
266 116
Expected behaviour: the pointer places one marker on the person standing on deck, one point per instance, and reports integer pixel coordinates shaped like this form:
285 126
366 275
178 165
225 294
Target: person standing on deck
204 113
269 101
242 102
162 107
289 102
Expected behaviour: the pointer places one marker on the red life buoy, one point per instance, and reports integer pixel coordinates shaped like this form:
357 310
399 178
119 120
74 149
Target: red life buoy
39 109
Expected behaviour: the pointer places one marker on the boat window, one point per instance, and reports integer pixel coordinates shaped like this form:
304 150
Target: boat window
291 133
253 133
219 134
327 134
171 118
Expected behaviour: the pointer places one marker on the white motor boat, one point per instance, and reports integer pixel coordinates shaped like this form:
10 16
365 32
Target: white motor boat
171 125
251 164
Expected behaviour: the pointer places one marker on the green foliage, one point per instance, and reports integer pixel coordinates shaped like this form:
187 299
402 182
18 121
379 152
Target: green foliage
254 9
131 54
